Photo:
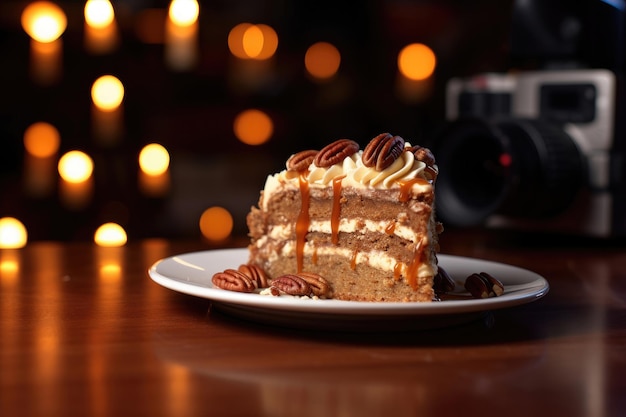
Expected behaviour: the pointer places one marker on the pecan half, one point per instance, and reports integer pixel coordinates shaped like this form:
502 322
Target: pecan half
300 161
233 280
423 154
382 151
442 282
256 274
335 152
291 284
319 286
483 285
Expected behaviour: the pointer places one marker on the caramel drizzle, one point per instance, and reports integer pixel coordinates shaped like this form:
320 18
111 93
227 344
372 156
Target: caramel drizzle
302 224
406 185
353 260
336 211
414 265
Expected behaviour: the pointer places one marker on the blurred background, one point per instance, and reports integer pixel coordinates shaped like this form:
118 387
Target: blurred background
164 118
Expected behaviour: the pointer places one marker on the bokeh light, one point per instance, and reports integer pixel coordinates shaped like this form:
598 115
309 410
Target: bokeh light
322 60
99 13
253 127
44 21
107 93
184 12
13 234
248 41
154 159
416 61
75 166
41 140
110 235
216 223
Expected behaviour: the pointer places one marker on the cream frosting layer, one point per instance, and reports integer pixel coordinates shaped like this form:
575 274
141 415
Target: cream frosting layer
374 258
285 231
353 173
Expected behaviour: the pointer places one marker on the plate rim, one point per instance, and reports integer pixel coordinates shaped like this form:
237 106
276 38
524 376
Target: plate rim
537 287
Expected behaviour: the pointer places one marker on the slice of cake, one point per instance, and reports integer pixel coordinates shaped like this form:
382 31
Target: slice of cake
361 219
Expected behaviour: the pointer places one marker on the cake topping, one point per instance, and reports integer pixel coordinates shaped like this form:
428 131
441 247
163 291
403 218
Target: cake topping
423 154
301 161
427 157
336 152
382 151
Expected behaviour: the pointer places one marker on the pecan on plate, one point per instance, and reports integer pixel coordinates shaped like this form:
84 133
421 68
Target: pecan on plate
483 285
256 274
233 280
335 152
382 151
319 285
442 282
291 284
300 161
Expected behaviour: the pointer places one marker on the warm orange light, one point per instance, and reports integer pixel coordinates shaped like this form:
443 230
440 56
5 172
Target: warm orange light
248 41
154 159
99 13
107 93
252 41
75 167
44 21
253 127
235 40
13 234
184 12
416 61
216 223
110 235
322 60
41 140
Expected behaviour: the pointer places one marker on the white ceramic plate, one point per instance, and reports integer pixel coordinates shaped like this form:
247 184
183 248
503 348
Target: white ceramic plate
191 274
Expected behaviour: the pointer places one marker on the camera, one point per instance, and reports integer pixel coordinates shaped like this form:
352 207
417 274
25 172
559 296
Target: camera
533 150
542 146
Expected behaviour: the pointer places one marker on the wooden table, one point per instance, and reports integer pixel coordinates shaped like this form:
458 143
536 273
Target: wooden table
85 332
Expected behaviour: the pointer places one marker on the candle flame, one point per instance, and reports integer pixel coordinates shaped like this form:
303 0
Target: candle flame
154 159
110 235
75 167
44 21
99 13
13 234
184 12
107 93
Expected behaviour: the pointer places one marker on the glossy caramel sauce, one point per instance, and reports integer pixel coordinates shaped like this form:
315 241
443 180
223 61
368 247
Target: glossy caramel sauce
406 185
302 224
336 211
414 265
390 228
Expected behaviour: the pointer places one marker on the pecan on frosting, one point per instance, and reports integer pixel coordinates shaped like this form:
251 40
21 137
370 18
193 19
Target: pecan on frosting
423 154
336 152
382 151
301 160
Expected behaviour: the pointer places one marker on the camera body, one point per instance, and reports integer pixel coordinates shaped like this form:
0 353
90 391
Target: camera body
537 150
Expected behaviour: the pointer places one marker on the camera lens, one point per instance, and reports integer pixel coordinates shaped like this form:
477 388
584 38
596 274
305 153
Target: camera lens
515 167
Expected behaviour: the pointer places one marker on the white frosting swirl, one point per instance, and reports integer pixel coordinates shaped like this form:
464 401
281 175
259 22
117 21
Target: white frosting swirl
324 176
405 167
